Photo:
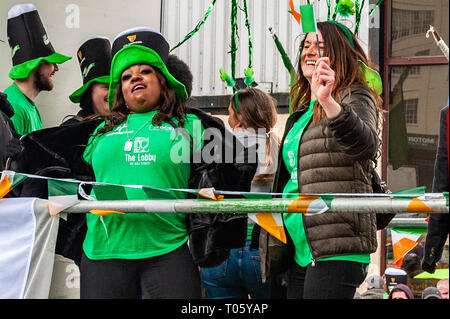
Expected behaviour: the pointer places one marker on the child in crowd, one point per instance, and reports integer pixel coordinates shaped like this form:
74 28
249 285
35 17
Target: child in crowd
252 117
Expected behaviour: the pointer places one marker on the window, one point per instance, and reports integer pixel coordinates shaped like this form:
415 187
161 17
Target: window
410 22
411 111
416 80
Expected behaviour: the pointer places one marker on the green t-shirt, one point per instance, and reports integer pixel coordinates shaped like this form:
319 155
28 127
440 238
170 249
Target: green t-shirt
294 221
26 117
157 158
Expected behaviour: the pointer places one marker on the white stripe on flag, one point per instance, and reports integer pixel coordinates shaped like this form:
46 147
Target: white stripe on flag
17 234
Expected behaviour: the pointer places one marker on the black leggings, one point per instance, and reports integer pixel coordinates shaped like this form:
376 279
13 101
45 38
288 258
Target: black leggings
326 280
169 276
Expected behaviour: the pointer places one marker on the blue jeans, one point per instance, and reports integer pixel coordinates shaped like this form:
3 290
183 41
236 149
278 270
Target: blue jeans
237 277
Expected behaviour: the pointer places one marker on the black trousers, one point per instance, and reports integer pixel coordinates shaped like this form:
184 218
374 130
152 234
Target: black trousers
326 280
169 276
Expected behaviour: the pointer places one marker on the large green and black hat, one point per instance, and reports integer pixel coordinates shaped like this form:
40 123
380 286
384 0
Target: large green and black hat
94 57
29 42
141 45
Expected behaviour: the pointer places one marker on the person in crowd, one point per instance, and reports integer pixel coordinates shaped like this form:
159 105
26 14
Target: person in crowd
146 255
251 116
438 225
329 146
180 71
442 285
431 293
35 63
395 276
7 131
401 291
94 58
375 284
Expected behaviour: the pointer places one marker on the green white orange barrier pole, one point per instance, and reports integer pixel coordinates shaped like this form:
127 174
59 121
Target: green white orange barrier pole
308 204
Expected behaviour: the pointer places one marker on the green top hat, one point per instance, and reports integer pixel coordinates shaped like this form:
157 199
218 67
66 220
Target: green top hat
141 45
29 42
94 57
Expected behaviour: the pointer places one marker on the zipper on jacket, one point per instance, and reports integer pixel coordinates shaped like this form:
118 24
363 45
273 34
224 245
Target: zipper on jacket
313 260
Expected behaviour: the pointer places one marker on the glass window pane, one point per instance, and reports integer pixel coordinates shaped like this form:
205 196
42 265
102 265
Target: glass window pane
411 20
417 94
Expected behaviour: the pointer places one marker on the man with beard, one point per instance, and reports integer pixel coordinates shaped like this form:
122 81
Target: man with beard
34 65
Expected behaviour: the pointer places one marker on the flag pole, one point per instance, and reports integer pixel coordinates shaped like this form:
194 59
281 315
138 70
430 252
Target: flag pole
317 35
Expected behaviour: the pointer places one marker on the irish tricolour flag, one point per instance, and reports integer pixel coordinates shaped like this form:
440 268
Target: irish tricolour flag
403 241
8 181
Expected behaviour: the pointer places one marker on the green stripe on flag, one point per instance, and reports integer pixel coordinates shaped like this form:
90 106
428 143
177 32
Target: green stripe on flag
308 20
414 192
158 193
110 192
18 178
327 199
414 231
257 195
61 188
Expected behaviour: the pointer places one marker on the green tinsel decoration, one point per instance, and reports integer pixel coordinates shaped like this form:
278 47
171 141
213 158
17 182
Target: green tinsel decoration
376 6
345 7
197 27
250 45
234 34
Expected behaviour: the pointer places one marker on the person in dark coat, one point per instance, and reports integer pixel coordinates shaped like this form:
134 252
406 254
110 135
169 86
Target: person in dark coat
7 131
438 225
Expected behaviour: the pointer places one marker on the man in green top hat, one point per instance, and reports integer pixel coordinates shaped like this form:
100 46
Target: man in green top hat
94 57
34 65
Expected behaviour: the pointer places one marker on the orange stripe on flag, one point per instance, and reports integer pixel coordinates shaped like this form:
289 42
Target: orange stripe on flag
297 15
267 221
5 186
416 205
210 193
104 212
401 248
301 203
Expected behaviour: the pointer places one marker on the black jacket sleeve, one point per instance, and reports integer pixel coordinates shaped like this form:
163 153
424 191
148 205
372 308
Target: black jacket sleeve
438 225
7 131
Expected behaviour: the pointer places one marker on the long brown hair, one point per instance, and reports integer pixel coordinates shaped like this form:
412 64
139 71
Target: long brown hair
170 106
343 60
257 109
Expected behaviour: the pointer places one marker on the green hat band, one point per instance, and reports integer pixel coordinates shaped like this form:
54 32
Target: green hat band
346 31
75 97
23 70
136 54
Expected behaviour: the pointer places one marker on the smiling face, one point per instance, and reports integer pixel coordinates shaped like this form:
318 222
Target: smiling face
310 54
141 88
43 76
99 97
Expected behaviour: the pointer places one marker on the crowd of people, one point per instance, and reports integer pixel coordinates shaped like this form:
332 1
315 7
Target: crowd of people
379 288
137 94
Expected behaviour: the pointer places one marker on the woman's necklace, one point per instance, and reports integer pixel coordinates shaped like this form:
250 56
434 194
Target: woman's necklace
129 143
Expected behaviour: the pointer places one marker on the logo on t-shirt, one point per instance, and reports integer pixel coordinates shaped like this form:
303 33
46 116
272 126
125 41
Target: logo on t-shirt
141 145
141 152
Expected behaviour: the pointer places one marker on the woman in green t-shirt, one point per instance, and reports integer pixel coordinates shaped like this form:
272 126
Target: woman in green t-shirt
329 145
133 255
